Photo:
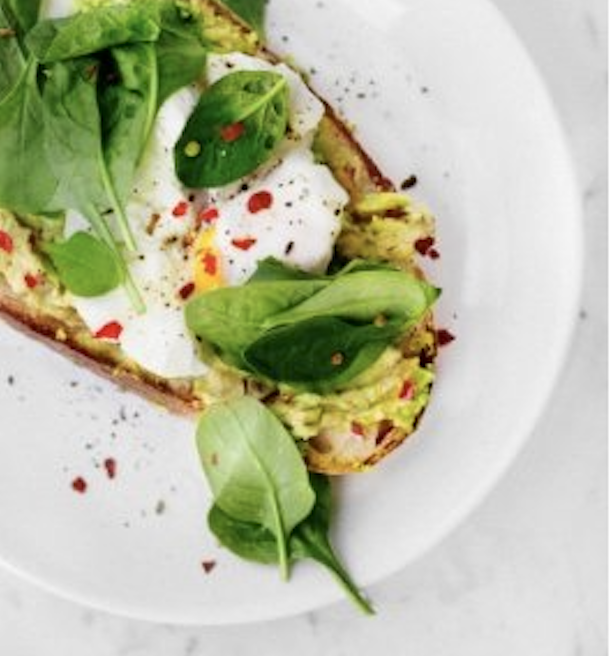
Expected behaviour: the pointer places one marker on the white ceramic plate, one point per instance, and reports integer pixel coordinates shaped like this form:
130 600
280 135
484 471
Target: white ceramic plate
438 88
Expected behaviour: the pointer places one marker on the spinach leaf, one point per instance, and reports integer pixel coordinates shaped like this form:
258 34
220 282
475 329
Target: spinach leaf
232 318
27 183
250 11
272 270
312 332
24 14
16 18
85 265
310 540
73 135
359 295
128 106
90 32
255 470
319 354
180 50
210 151
73 141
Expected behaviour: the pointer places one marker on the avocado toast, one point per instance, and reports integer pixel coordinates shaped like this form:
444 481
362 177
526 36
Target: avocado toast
252 268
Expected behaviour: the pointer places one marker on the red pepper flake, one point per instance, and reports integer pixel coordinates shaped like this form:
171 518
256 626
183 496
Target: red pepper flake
110 467
111 331
358 429
32 280
208 565
210 264
423 246
232 132
260 201
186 291
244 244
407 392
181 209
208 215
79 485
433 254
444 337
6 242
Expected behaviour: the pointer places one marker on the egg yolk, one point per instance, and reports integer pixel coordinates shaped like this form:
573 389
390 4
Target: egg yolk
208 263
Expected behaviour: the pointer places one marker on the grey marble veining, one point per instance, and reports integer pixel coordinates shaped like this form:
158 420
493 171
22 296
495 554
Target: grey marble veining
525 575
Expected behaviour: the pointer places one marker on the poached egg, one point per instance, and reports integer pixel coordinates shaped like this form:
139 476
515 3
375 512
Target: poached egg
194 241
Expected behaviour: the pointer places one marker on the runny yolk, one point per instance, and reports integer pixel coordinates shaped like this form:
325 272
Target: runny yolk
208 263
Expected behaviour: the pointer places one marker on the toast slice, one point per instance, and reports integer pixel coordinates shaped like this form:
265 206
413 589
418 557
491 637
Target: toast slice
330 453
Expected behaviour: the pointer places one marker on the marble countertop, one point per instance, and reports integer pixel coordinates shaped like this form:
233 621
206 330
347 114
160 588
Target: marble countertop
526 574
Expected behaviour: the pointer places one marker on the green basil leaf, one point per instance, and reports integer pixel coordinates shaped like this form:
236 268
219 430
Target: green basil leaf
254 468
250 11
310 540
92 31
257 102
319 354
27 182
85 265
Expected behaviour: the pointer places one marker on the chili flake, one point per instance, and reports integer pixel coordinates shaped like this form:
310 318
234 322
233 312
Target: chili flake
210 264
79 485
407 392
208 565
232 132
186 291
111 331
244 244
260 201
32 280
208 215
181 209
110 467
6 242
423 246
444 337
358 429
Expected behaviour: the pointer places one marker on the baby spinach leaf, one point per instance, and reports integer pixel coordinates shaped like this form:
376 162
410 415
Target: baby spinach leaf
310 540
254 468
232 318
360 295
27 182
312 332
73 135
73 140
90 32
210 152
85 265
180 50
319 354
23 14
250 11
128 106
16 18
272 270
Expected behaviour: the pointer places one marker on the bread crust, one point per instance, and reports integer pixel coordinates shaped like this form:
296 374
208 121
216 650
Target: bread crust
359 176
